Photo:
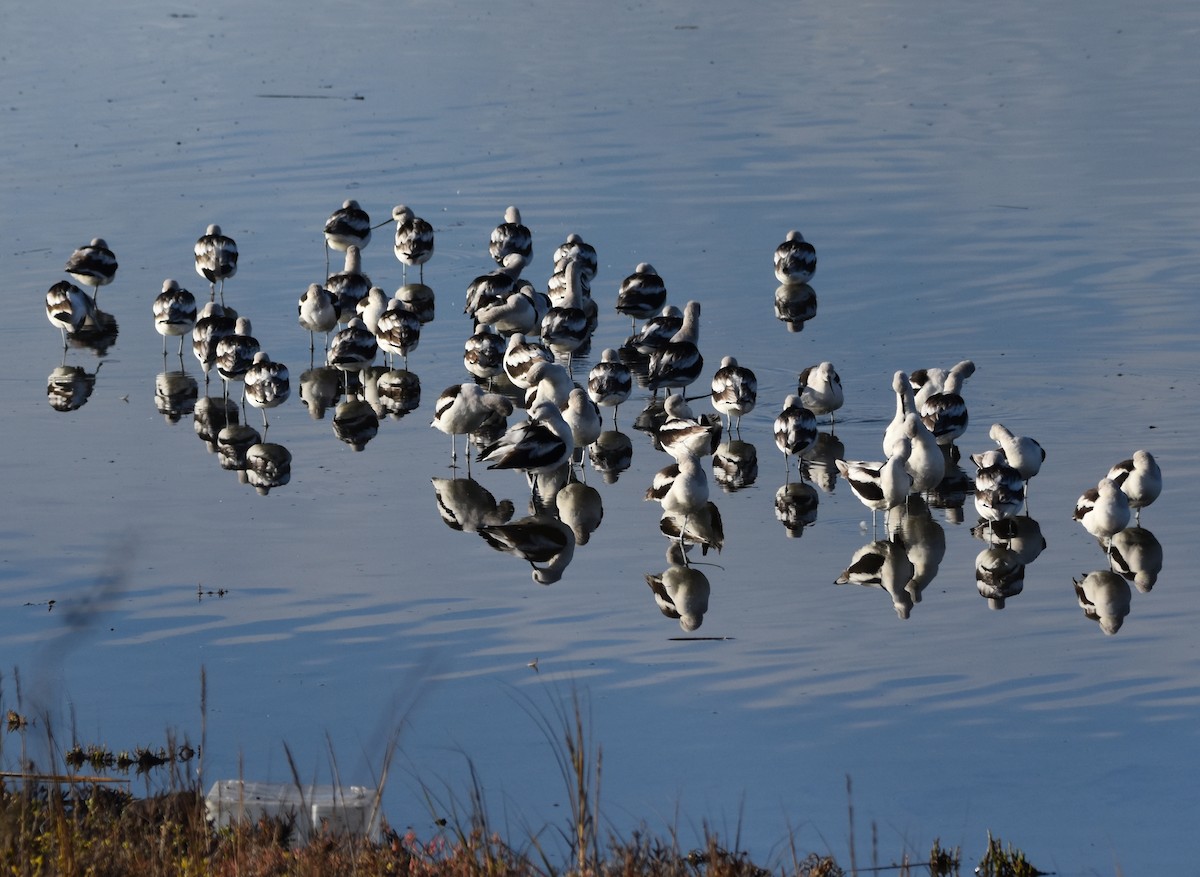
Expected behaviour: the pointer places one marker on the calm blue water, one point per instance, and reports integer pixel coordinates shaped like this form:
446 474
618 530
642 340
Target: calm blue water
1012 184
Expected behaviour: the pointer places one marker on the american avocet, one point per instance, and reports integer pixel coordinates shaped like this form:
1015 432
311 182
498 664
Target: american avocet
734 391
511 238
880 486
349 225
464 408
1139 478
1104 511
820 389
68 307
795 259
318 312
414 239
583 417
549 382
904 404
213 323
467 506
513 313
564 329
945 413
487 290
1138 556
682 434
483 353
687 493
642 294
609 382
656 331
575 249
536 539
999 488
235 353
519 357
924 382
371 307
679 362
398 331
795 431
93 265
349 286
926 460
352 348
537 446
267 384
174 313
1022 453
1104 597
216 259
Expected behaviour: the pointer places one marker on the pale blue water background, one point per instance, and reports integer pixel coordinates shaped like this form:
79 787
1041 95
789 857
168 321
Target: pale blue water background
1016 184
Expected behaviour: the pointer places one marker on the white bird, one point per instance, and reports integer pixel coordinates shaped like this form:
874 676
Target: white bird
549 382
610 381
483 353
216 259
683 434
945 413
795 259
489 289
795 431
414 239
575 249
926 461
583 418
905 403
686 492
352 348
679 362
820 389
999 487
642 294
349 225
93 265
1104 511
513 313
398 331
734 391
519 357
464 408
1139 478
317 313
371 308
880 486
537 446
656 332
68 307
1023 453
349 286
267 384
511 238
174 313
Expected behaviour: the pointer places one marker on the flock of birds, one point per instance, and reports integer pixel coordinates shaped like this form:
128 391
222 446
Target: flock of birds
520 355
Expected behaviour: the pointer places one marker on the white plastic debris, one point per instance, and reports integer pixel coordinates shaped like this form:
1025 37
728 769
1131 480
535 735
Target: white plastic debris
317 809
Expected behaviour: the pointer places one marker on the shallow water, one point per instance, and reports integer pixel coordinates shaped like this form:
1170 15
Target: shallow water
1015 185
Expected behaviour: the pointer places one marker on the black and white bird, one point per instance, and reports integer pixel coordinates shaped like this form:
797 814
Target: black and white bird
945 413
519 357
564 329
235 353
537 446
682 434
414 239
515 312
267 384
548 381
575 249
488 290
213 323
795 259
583 418
93 265
1022 452
999 487
216 259
610 382
1104 511
656 331
880 486
511 238
371 307
734 391
68 307
483 353
349 286
317 310
352 348
537 539
398 331
174 312
678 363
462 409
642 294
926 460
349 225
820 389
795 431
1139 478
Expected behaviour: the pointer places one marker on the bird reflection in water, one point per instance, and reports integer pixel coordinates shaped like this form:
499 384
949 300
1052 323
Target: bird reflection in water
883 564
268 465
211 415
467 506
1104 597
796 507
97 334
233 444
702 527
924 543
355 423
818 461
681 591
1137 556
175 394
795 304
1020 533
735 465
580 508
951 494
398 392
999 574
69 387
541 540
611 454
320 389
